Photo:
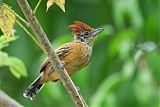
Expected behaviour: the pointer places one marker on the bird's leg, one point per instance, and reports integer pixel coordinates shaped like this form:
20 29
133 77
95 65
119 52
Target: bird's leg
62 64
78 89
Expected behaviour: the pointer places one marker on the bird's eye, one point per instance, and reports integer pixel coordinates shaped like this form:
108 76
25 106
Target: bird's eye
86 33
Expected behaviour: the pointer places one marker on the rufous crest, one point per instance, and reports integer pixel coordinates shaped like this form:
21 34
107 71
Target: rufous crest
79 27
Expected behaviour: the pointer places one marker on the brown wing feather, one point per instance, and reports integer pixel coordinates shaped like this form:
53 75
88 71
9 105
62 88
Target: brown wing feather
61 52
46 62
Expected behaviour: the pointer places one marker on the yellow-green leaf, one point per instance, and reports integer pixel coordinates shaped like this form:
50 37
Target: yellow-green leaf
7 20
16 66
60 3
49 4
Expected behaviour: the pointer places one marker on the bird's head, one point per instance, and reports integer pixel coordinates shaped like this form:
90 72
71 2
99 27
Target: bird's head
84 33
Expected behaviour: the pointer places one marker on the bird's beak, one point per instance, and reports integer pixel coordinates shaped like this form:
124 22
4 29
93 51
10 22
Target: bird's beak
97 31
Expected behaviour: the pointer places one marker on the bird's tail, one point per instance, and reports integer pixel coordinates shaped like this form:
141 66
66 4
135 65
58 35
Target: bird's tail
33 89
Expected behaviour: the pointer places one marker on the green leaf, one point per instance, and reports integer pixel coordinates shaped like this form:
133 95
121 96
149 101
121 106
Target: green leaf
4 41
16 66
3 57
14 72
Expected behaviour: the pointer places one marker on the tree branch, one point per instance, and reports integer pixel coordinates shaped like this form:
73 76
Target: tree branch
64 77
6 101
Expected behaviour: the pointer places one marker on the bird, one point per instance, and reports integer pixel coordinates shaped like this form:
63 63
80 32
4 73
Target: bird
74 55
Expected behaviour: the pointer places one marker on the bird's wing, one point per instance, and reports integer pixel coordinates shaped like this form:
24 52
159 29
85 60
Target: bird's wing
63 51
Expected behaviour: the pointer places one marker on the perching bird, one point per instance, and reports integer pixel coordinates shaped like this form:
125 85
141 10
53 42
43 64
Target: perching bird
75 55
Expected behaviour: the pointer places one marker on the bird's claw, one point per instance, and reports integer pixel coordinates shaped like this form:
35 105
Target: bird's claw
62 64
78 89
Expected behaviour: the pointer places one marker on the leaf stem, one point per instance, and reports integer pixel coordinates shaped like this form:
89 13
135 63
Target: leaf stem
36 8
34 39
20 18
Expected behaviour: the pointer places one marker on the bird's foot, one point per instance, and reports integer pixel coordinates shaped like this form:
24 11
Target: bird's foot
78 89
62 64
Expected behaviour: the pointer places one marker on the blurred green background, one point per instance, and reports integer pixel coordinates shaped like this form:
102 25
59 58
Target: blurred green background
125 66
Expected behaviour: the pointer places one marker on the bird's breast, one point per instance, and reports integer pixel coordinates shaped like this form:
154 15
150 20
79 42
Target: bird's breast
78 58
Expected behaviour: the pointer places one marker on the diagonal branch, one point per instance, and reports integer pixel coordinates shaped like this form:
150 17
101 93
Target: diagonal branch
6 101
64 77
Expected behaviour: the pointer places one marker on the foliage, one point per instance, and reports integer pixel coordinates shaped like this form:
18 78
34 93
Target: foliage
60 3
7 20
16 66
124 70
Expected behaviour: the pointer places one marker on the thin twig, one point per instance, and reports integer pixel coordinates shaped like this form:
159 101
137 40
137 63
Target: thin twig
64 77
34 39
36 8
20 18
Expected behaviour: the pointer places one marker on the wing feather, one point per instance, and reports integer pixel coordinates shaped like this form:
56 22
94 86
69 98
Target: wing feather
61 52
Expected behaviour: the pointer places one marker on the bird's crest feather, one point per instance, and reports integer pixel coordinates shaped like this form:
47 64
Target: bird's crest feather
78 27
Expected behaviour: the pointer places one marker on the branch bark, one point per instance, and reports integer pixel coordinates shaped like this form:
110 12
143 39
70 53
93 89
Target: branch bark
6 101
40 34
